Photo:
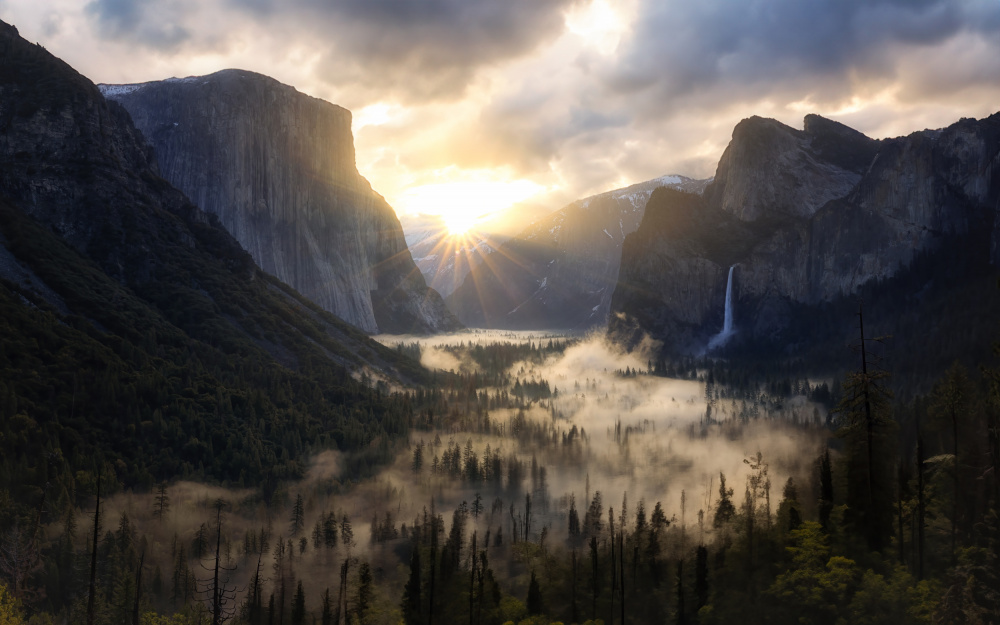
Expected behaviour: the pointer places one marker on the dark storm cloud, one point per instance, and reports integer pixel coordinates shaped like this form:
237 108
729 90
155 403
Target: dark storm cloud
431 48
421 49
136 20
682 48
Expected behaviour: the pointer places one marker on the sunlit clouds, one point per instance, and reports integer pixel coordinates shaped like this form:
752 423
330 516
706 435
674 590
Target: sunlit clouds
462 107
599 24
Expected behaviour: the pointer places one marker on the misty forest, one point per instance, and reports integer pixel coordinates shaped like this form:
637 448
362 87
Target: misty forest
228 393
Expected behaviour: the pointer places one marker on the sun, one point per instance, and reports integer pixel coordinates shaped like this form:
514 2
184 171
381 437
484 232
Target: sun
462 203
459 224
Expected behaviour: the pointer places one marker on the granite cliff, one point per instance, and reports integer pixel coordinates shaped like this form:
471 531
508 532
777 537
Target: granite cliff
806 217
560 271
277 167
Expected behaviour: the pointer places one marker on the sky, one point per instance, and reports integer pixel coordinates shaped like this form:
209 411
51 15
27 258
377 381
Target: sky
466 107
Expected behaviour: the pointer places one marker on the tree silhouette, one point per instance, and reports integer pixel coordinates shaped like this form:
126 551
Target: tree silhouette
217 590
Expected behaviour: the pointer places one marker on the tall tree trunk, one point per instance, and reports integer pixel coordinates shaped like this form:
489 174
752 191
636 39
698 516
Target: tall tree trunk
899 513
342 599
216 594
472 578
92 594
573 613
430 612
621 570
138 589
921 506
614 566
955 490
593 577
256 601
869 424
701 578
681 617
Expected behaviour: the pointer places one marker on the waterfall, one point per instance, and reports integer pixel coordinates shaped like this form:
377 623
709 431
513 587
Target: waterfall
727 324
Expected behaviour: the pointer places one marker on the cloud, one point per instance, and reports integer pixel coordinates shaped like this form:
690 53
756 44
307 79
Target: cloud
412 50
679 50
580 96
144 22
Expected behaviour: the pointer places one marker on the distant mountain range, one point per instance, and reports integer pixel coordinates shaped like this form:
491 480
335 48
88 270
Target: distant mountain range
560 272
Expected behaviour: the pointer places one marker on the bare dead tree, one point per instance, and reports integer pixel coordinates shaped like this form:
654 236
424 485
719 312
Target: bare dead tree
342 598
254 604
218 590
17 556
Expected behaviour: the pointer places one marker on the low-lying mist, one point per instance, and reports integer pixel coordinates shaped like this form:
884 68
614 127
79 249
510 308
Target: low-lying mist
594 420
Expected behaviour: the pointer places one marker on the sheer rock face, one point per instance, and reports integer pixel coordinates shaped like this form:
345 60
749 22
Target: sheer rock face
773 171
806 217
278 168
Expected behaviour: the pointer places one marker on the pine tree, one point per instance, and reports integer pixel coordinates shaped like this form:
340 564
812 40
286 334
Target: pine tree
346 532
326 617
574 519
411 592
949 400
417 464
825 490
298 516
299 606
701 577
725 510
364 590
534 599
865 425
161 502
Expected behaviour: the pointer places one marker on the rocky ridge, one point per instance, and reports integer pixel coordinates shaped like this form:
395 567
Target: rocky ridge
806 217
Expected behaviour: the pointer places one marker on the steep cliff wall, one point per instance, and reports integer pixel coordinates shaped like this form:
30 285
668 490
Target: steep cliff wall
811 216
278 169
772 171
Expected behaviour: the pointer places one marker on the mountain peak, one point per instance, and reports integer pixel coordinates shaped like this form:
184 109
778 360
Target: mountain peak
756 127
840 144
771 170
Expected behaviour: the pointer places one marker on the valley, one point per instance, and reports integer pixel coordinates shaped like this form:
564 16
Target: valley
234 390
